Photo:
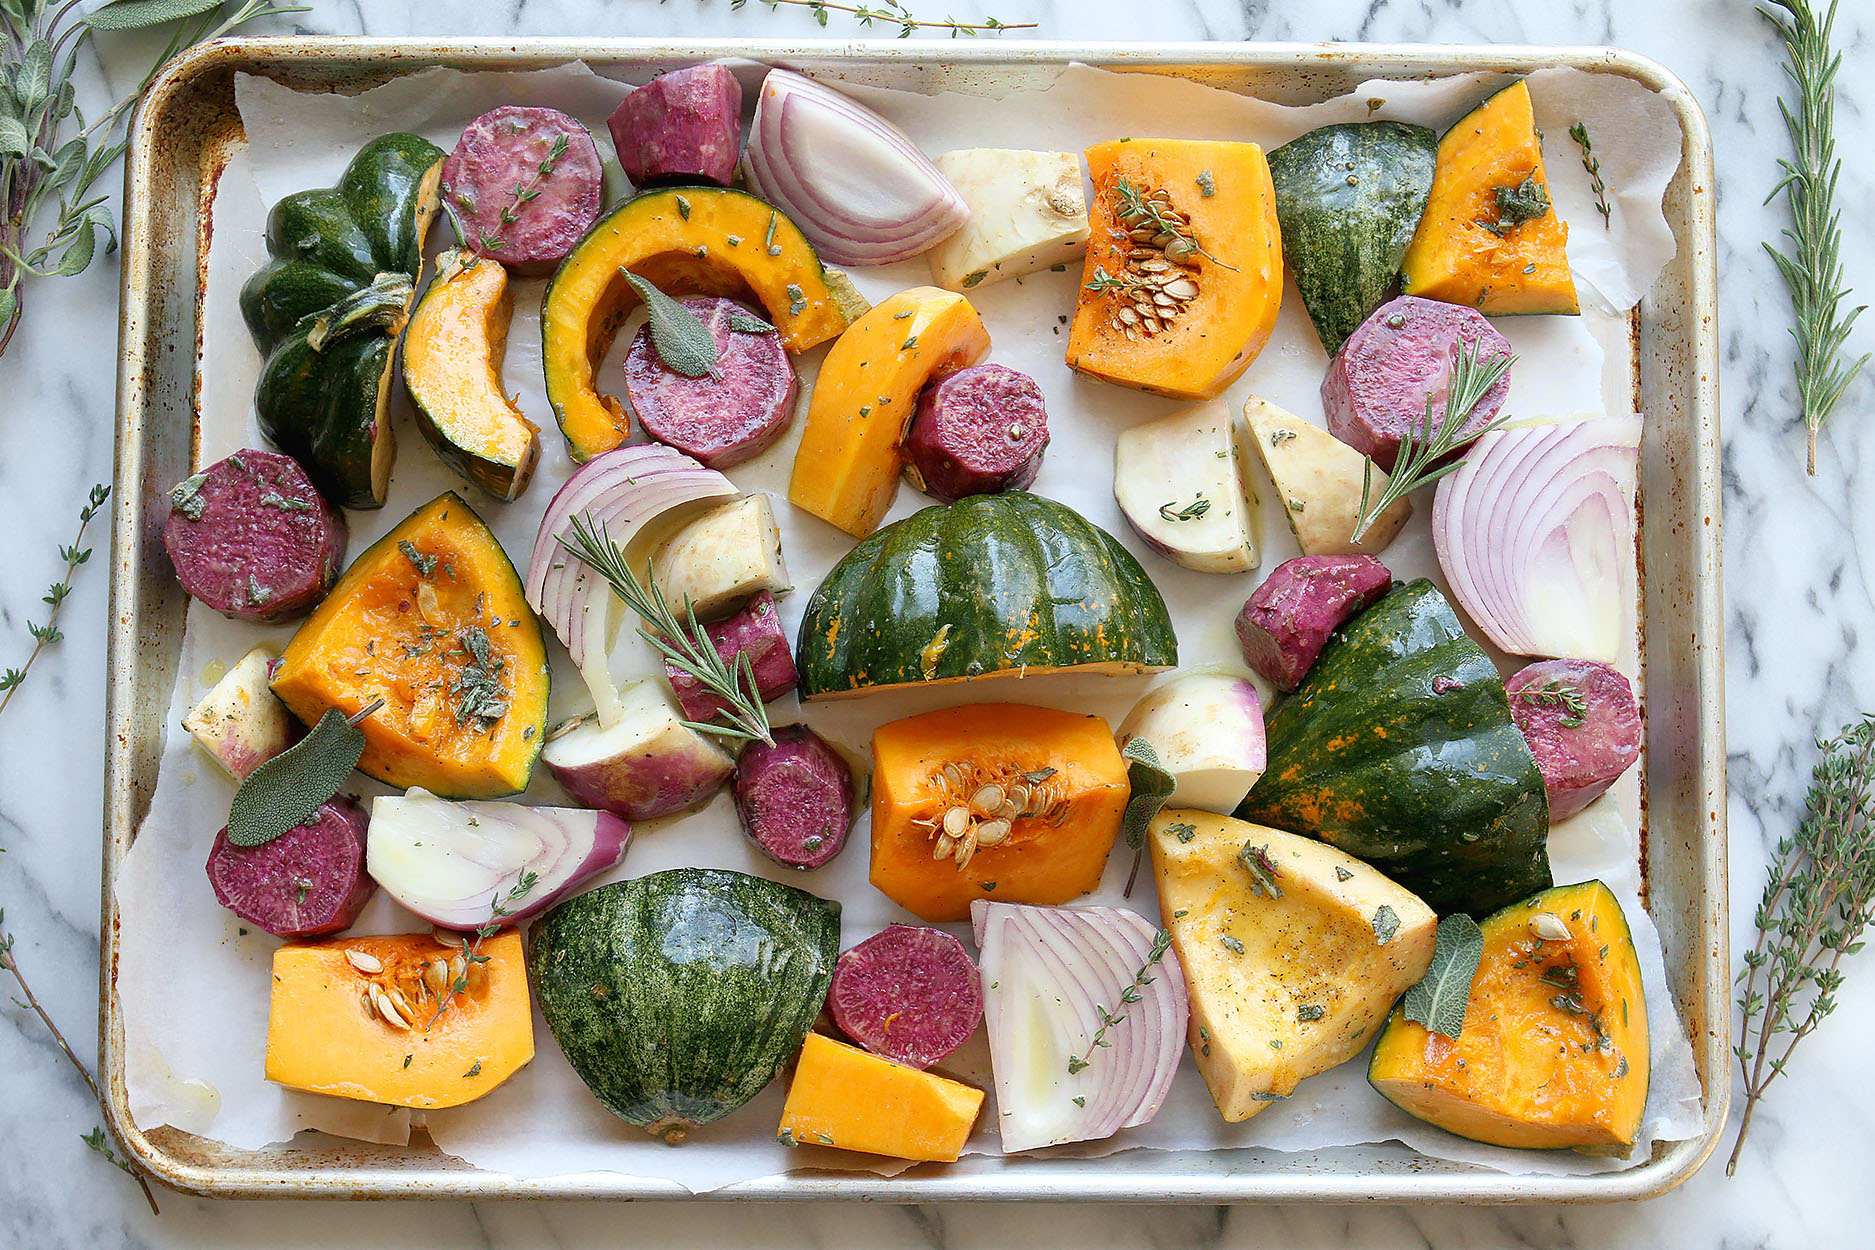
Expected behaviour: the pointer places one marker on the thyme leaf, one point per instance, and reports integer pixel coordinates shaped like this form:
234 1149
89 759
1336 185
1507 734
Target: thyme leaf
48 634
1593 166
892 13
1161 942
499 909
1558 693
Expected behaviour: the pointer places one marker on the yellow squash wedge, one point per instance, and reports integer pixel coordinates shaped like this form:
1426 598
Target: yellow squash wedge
845 1097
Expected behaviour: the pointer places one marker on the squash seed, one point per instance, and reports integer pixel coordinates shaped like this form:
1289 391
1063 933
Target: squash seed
436 976
388 1010
986 800
956 820
363 961
945 845
1548 926
992 833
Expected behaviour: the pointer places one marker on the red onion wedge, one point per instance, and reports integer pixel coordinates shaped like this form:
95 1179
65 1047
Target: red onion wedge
640 495
451 863
1051 975
1535 532
855 184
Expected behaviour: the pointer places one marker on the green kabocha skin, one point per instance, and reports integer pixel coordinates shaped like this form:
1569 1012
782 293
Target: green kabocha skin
1003 583
327 309
677 997
1399 748
1348 199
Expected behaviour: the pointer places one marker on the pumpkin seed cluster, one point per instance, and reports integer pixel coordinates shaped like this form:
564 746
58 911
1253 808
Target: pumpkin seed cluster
974 813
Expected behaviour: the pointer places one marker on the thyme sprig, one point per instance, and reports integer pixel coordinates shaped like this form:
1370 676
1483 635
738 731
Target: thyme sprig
1812 267
683 642
46 171
499 909
47 634
1562 694
1136 208
1161 942
1422 458
1818 899
892 13
1592 165
524 193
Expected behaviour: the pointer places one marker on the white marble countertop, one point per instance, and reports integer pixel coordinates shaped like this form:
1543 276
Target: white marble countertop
1800 578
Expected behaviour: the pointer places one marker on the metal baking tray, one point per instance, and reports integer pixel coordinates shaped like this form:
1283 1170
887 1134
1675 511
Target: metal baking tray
179 143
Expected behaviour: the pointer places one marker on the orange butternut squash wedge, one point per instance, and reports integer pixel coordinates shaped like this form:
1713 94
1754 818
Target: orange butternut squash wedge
1489 237
1040 794
1554 1049
846 471
1225 279
357 1018
846 1097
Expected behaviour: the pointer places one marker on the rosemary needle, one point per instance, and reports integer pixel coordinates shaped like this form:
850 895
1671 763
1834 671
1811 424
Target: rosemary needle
1423 453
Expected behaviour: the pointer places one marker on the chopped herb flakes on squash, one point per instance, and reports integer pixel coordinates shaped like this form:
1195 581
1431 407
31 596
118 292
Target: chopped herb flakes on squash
844 1097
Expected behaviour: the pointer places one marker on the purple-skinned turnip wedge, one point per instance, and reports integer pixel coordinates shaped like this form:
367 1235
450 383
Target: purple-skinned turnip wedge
454 863
1207 729
1180 483
755 632
647 765
239 722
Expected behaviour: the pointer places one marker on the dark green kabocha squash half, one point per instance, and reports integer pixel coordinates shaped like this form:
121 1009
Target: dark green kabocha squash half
1399 748
678 996
327 309
1011 583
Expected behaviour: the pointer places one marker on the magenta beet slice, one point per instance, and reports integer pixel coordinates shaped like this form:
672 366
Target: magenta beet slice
307 882
977 431
1286 622
756 632
682 126
721 420
251 537
1401 357
1582 724
795 798
502 153
909 993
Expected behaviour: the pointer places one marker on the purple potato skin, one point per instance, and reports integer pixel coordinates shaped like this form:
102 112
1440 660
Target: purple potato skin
639 785
724 420
683 126
977 431
1580 761
909 993
503 150
1284 625
795 798
251 537
756 632
308 882
1378 384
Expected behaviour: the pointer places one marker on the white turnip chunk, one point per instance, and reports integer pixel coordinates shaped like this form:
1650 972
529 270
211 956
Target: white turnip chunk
1207 729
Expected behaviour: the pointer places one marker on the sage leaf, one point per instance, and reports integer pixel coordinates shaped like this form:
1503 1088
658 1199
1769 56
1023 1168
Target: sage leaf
33 80
9 305
78 253
288 789
1439 1000
1386 924
747 323
1151 786
14 141
136 14
683 342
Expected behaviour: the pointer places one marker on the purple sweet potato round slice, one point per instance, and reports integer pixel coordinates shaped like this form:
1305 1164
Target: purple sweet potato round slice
1378 384
909 993
977 431
754 631
721 420
251 537
309 881
795 798
1581 722
1287 621
512 150
684 126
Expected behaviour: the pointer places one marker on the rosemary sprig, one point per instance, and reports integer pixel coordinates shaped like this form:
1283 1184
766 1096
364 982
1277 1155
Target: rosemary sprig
43 170
1421 451
48 634
892 13
1593 166
1160 943
498 910
523 193
1818 899
684 643
1812 268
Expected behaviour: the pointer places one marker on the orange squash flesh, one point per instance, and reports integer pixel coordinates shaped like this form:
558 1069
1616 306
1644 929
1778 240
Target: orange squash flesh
1239 281
389 631
327 1032
847 468
1554 1050
846 1097
1076 790
1454 256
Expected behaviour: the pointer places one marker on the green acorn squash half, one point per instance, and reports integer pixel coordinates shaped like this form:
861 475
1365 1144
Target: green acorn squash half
327 309
678 996
1011 584
1399 748
1349 198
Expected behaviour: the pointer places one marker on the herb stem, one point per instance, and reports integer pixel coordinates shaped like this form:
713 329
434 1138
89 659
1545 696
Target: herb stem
48 634
1161 941
893 13
498 910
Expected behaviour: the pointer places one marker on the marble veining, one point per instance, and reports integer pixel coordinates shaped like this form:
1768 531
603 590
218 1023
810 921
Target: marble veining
1800 565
